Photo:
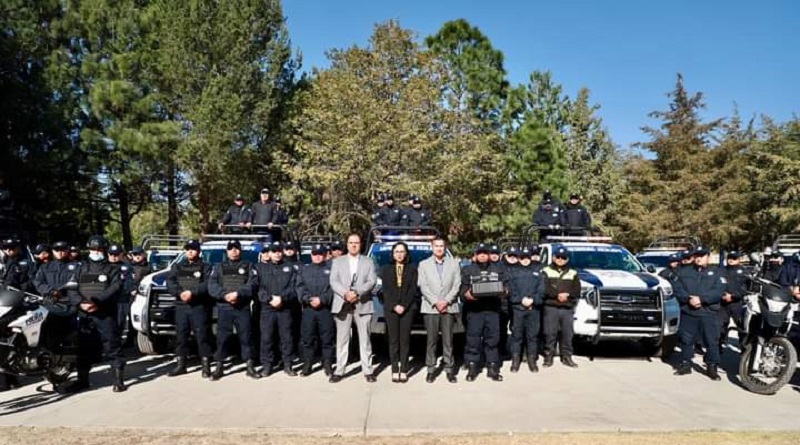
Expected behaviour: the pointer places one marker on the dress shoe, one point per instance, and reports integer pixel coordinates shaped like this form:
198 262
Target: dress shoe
713 374
306 370
335 378
567 361
683 369
451 377
119 381
548 361
370 378
327 366
430 378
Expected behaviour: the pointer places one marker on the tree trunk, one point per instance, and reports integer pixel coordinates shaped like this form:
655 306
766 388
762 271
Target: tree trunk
172 200
124 214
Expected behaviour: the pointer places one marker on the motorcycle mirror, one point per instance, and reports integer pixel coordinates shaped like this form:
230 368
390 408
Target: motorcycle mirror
755 257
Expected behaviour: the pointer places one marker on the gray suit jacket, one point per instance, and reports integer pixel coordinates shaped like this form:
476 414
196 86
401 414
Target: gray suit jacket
366 279
435 289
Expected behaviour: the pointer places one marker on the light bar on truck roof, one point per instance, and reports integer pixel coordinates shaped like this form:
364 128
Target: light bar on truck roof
588 239
384 238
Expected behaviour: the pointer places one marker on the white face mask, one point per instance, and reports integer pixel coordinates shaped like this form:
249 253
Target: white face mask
96 256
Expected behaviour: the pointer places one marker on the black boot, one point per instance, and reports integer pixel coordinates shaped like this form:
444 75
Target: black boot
180 367
327 366
306 370
493 372
119 381
217 374
548 360
251 370
81 384
266 370
473 372
713 374
8 381
567 361
289 371
205 366
532 367
683 369
516 361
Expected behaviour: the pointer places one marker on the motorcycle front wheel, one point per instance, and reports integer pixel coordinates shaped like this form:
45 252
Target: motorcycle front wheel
777 362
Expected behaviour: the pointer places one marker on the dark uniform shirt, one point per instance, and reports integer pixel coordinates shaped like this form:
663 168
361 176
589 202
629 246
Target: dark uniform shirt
392 216
485 269
192 277
314 280
17 274
737 282
378 217
233 276
236 214
563 280
276 279
669 274
416 217
262 214
708 283
544 217
525 281
575 216
53 275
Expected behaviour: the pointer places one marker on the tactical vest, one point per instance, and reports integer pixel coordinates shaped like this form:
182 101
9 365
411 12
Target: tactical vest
92 284
190 276
234 276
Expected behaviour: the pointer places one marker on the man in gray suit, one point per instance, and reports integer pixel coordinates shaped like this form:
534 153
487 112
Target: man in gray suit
353 278
439 280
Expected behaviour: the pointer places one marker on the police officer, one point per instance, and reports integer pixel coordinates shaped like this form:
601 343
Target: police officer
575 218
526 294
74 254
392 216
290 252
277 281
187 281
548 214
377 216
731 304
262 214
232 285
115 257
53 275
337 250
483 315
416 215
561 294
16 270
99 286
237 215
41 256
315 294
670 273
774 267
281 216
699 291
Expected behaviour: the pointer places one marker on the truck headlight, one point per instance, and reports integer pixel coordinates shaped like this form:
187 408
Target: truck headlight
590 295
667 293
144 290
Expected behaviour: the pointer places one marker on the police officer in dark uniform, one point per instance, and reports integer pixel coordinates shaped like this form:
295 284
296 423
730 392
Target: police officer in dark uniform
483 315
232 285
115 257
731 305
561 293
262 213
377 216
575 218
670 273
41 256
290 252
526 294
315 294
16 270
237 215
392 216
99 286
277 281
74 254
548 214
416 215
774 265
55 274
187 281
699 290
281 216
337 250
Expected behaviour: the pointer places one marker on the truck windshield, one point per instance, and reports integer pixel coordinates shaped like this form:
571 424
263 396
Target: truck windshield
607 258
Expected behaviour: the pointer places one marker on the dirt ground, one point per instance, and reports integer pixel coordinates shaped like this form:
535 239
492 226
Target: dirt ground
76 436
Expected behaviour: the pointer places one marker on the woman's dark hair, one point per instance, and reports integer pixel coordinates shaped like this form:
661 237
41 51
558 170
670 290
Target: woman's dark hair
408 252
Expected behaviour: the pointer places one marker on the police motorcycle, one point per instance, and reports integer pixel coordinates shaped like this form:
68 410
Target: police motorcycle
36 336
768 358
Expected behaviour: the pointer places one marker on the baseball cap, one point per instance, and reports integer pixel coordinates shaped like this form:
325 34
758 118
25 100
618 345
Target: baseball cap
115 249
238 198
289 245
512 251
40 248
561 251
675 257
735 254
9 243
60 245
700 250
494 249
265 190
234 244
337 246
275 246
192 245
137 250
318 249
481 247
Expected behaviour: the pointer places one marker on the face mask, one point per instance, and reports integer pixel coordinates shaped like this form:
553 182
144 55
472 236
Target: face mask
98 256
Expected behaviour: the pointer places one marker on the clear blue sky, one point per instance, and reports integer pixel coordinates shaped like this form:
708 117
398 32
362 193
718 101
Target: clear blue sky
627 52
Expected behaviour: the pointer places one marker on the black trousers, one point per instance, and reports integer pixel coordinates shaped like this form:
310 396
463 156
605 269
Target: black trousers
282 320
398 330
98 338
728 312
483 334
318 323
558 320
694 328
227 317
124 325
526 326
192 319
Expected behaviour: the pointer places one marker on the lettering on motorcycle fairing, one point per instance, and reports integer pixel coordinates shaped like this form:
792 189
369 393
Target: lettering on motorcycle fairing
37 317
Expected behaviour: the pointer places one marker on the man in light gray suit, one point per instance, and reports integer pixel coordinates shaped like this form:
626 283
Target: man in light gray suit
439 280
353 278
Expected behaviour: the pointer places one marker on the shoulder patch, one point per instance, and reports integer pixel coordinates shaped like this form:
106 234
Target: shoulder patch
287 269
740 271
327 272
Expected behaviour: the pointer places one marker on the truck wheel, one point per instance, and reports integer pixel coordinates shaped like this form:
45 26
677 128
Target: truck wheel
149 345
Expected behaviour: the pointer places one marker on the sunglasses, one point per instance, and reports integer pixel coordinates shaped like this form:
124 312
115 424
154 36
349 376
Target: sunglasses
561 258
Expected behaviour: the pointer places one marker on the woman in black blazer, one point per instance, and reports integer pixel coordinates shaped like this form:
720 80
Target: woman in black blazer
399 288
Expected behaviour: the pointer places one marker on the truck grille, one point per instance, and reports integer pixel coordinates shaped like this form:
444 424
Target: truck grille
627 301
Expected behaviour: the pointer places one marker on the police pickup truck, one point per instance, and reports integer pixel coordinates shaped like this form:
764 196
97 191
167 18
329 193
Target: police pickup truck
657 253
620 298
153 309
381 241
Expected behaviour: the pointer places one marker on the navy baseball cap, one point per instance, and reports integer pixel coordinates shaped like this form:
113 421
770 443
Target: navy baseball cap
275 246
238 198
494 249
137 251
700 251
481 247
512 251
289 245
60 245
234 244
318 249
192 245
40 248
535 249
115 249
735 254
675 257
337 246
561 251
525 252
